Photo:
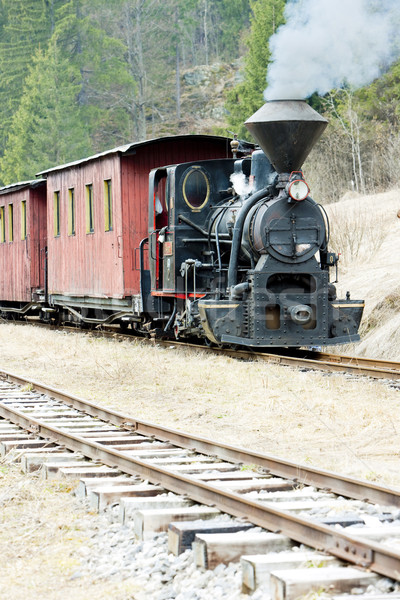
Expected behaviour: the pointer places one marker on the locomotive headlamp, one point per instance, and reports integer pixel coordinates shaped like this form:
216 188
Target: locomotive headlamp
298 190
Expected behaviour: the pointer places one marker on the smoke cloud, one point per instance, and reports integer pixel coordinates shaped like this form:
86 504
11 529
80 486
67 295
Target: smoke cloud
326 43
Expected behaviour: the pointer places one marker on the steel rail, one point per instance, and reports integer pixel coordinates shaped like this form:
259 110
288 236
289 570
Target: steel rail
300 474
378 363
369 367
370 555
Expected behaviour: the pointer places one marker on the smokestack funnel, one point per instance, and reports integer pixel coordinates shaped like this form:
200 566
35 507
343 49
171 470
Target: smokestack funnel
286 130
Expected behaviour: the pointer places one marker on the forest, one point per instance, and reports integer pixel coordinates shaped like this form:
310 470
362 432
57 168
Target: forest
82 76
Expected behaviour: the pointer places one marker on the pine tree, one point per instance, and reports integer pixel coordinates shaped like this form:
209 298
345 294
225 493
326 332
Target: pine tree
83 36
48 128
26 26
380 100
232 19
247 96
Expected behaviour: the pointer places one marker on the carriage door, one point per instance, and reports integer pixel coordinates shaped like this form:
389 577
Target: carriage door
158 226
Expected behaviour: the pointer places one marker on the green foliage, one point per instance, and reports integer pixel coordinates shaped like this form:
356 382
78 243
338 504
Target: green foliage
25 26
209 30
48 128
231 18
381 99
117 64
247 96
104 79
81 76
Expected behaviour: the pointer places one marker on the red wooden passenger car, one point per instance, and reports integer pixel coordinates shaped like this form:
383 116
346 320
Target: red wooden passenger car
97 215
23 238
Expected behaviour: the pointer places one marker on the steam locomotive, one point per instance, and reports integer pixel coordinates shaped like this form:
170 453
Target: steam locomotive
229 250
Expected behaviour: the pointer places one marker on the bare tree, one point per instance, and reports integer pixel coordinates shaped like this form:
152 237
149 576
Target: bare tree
146 29
132 23
350 122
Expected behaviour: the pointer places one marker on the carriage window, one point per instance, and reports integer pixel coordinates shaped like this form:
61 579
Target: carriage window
56 213
23 220
89 209
10 223
108 220
161 213
196 188
71 211
2 225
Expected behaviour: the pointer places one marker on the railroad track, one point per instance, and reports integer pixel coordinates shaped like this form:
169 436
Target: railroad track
300 358
324 361
293 503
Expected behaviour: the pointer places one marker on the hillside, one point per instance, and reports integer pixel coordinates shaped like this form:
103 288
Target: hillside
366 231
203 96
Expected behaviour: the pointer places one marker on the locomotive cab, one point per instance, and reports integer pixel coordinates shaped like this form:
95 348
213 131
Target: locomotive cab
181 200
238 248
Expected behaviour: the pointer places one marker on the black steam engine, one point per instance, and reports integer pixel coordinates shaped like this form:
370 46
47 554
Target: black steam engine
238 249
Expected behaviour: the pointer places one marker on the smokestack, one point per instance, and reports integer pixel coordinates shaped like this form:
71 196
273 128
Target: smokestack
286 130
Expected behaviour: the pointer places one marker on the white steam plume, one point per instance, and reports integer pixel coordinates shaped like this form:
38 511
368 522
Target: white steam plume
326 43
240 184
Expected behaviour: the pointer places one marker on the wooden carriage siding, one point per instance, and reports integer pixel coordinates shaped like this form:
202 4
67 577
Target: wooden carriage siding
23 239
97 213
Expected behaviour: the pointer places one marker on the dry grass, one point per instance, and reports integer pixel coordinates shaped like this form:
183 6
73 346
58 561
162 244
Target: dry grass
374 274
334 421
386 310
354 235
42 529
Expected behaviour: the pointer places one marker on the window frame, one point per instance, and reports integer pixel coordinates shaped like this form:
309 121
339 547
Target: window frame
56 214
11 222
108 205
196 171
71 212
2 225
89 208
24 234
